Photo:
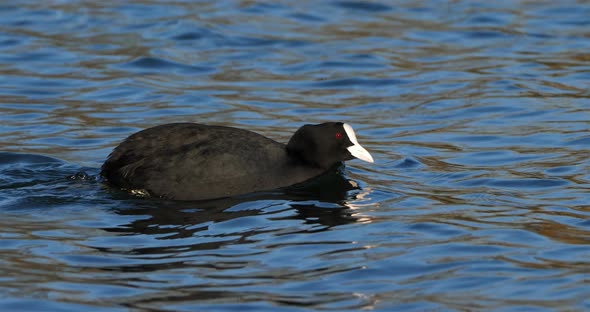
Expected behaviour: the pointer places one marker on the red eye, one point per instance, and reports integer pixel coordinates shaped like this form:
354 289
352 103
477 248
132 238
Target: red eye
338 135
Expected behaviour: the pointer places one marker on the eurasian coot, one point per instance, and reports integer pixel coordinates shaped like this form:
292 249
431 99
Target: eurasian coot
187 161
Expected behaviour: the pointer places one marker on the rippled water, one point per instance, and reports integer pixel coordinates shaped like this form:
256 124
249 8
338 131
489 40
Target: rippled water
477 114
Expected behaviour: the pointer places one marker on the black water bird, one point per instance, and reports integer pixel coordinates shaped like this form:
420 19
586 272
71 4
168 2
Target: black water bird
188 161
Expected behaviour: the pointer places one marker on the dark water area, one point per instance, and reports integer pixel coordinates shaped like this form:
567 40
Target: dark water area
476 112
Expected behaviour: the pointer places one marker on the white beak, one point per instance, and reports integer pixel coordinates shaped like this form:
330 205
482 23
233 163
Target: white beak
356 149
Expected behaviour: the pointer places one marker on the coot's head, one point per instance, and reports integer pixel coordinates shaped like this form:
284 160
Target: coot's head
326 144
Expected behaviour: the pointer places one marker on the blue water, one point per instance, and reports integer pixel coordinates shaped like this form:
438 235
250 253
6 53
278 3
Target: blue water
477 114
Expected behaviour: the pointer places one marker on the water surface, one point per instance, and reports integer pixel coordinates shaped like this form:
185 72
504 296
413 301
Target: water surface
477 115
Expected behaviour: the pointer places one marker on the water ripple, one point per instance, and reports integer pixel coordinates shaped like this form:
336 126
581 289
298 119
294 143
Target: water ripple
157 64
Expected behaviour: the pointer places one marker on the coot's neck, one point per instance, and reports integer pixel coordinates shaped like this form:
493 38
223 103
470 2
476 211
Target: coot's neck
298 160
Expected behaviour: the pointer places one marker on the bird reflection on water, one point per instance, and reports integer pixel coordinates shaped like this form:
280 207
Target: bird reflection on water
323 201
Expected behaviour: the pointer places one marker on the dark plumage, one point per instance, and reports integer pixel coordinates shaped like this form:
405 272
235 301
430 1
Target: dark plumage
188 161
